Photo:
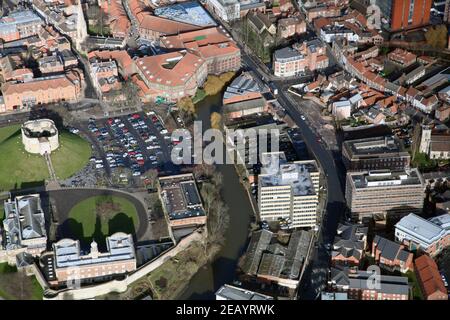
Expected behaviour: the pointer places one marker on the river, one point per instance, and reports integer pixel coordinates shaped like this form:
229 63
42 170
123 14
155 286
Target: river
208 279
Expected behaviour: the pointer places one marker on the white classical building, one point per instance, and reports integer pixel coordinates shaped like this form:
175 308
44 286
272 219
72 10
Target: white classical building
40 136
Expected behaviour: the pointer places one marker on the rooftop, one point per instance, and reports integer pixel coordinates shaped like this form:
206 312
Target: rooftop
425 230
374 146
228 292
186 12
24 220
68 254
384 178
277 173
181 197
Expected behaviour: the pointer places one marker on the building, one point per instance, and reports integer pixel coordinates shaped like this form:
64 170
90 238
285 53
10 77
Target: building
214 45
19 25
427 274
341 110
70 264
405 14
105 76
227 10
181 201
172 76
349 245
291 26
230 10
291 61
41 91
269 260
381 193
51 65
430 236
391 256
227 292
402 57
190 12
362 285
288 190
243 97
23 227
260 23
385 152
40 136
435 143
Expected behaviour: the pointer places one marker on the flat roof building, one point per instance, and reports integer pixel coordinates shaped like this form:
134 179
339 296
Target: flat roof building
181 201
379 193
431 236
288 190
384 152
227 292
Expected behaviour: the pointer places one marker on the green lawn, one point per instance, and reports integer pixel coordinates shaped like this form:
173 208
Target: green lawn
200 94
417 293
15 285
72 148
20 169
100 216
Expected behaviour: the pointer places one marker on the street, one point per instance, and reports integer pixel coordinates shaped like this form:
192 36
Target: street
315 276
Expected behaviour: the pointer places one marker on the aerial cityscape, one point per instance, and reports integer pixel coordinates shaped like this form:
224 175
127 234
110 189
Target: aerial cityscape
225 150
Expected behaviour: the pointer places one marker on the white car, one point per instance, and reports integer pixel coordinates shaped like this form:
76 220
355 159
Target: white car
164 131
151 113
303 118
99 165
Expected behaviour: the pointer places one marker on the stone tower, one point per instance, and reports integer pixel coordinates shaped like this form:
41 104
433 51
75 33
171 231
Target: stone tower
94 250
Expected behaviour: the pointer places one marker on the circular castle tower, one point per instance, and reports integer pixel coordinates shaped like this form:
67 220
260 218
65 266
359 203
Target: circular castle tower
40 136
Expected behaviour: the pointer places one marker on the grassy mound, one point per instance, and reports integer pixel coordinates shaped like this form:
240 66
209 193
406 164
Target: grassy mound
20 169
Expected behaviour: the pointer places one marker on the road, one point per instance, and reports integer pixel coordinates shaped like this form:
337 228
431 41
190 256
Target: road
316 273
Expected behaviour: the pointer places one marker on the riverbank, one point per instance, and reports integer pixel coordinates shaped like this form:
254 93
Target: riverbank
221 271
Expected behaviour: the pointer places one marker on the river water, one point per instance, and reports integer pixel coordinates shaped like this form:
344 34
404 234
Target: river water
208 279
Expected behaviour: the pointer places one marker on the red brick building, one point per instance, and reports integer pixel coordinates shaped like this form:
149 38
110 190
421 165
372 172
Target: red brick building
430 280
406 14
391 255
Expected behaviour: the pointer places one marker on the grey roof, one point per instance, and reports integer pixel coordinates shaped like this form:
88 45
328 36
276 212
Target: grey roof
271 265
228 292
389 249
421 230
241 86
68 254
360 280
287 53
294 174
350 240
258 244
24 220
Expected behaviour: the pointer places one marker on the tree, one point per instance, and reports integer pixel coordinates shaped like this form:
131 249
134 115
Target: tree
186 105
152 175
216 120
436 36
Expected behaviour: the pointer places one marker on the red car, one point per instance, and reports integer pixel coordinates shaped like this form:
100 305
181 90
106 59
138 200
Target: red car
136 116
110 121
140 162
154 118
